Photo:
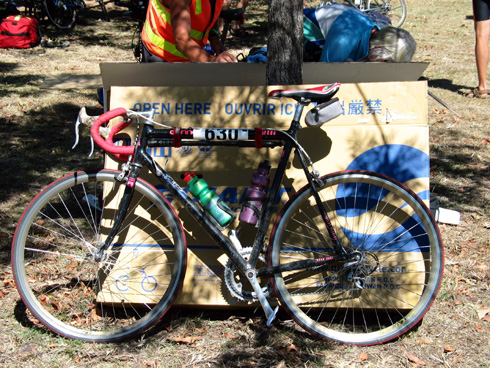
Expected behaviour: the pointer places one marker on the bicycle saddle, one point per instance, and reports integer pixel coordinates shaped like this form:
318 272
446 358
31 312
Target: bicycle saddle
231 14
316 94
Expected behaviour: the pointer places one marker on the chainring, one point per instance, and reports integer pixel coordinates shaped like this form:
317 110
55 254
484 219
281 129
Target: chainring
235 282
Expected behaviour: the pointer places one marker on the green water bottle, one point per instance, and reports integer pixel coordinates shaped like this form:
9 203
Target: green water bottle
211 202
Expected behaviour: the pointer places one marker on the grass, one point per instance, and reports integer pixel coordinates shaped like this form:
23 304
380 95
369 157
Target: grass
36 131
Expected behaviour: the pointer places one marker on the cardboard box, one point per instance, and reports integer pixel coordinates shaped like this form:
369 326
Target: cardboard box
383 128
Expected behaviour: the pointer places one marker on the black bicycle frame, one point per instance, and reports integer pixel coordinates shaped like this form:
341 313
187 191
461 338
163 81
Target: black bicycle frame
269 138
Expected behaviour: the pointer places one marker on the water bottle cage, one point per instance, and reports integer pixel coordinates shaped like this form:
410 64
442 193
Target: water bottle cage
223 208
251 206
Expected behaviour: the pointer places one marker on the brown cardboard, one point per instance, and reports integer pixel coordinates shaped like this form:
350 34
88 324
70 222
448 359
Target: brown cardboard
393 113
251 74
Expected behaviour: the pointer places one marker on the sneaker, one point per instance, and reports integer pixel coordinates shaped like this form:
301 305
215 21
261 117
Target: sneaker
48 42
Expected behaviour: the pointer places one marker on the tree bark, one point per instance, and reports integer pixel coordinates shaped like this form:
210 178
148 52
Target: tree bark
285 43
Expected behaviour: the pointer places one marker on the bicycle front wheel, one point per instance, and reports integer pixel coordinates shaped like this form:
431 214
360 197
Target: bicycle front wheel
62 13
79 296
394 273
396 10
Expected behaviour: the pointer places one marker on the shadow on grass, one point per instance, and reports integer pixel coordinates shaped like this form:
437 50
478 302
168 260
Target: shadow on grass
36 145
36 149
13 84
453 163
446 84
261 345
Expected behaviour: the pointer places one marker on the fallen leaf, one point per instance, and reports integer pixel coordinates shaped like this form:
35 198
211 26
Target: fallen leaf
483 312
414 359
27 349
423 341
448 349
9 284
230 336
185 340
72 267
363 357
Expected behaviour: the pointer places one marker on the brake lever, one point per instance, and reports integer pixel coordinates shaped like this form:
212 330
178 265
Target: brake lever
85 119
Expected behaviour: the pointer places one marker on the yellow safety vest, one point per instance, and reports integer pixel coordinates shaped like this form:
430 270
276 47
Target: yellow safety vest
157 33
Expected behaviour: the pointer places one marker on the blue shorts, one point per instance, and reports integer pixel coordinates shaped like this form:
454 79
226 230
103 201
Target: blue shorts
481 10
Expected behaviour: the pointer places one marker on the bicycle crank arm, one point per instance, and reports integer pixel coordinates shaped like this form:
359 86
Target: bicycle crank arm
269 312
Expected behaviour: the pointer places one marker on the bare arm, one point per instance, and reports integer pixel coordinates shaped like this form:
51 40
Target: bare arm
181 25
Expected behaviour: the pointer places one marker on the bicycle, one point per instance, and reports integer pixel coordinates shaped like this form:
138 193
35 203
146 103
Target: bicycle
396 10
354 256
63 14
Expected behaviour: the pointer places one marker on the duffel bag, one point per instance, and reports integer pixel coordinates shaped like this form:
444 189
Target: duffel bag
19 32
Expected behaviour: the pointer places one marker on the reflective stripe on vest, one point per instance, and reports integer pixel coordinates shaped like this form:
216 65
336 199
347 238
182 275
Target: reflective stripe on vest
158 35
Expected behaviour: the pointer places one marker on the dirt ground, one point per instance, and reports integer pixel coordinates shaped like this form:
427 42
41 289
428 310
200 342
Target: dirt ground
36 134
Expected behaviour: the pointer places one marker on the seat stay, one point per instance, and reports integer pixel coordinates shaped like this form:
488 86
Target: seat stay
315 94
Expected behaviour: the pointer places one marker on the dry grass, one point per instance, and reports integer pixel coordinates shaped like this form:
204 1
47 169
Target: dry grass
36 134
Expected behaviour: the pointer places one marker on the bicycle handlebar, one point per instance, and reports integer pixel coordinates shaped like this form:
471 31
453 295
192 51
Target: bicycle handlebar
120 152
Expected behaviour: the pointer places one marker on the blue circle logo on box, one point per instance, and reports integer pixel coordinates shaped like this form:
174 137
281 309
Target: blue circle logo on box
403 163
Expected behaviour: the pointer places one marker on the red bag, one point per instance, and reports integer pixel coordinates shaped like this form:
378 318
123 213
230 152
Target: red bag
18 32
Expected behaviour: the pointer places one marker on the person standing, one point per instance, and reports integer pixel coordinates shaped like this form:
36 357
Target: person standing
178 31
481 19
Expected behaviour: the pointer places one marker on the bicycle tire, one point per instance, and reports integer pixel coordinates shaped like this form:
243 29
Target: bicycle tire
58 277
62 13
396 10
392 285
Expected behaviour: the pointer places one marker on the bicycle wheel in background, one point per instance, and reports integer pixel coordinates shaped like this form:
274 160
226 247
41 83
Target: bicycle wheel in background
78 297
63 13
396 10
397 273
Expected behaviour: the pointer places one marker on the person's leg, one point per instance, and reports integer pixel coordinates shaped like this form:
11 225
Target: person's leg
226 4
482 35
481 17
242 4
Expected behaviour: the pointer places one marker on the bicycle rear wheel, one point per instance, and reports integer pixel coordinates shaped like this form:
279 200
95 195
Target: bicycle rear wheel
396 10
72 293
62 13
393 281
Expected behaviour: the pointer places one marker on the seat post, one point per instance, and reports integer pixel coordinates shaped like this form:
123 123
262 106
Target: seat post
300 105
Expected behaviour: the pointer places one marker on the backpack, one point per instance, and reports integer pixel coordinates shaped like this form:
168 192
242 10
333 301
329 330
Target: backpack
19 32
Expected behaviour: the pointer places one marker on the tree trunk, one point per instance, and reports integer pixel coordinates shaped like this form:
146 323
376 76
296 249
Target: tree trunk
285 43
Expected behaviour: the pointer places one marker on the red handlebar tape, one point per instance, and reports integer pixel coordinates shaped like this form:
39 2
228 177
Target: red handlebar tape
120 152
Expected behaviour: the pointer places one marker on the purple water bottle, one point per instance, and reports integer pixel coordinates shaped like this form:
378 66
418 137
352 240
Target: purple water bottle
255 195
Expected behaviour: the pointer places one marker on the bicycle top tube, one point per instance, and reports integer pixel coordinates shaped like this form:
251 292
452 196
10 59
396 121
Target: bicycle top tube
303 97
